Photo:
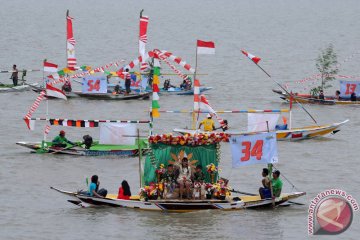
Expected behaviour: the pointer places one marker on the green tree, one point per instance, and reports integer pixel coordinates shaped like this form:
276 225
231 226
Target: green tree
326 63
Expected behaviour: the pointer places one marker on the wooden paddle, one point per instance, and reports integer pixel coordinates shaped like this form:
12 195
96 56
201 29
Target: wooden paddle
61 150
252 194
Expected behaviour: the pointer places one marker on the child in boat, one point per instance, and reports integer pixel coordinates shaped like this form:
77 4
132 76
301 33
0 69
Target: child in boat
94 186
265 191
198 179
124 191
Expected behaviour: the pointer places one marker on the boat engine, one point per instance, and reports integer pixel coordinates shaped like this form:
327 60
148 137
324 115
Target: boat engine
87 141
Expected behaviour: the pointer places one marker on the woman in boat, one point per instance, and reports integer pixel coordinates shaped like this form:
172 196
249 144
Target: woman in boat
337 95
94 186
124 191
184 178
321 95
66 87
14 75
169 180
353 97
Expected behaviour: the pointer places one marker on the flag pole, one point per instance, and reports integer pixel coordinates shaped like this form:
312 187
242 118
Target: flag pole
286 92
194 121
140 63
66 50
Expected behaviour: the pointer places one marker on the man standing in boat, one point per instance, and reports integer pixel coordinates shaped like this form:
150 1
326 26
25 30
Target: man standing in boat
209 124
61 141
127 81
14 75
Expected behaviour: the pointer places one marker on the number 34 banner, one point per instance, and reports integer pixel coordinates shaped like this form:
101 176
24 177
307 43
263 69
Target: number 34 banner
94 85
253 149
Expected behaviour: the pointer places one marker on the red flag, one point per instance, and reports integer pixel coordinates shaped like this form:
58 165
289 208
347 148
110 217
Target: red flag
205 47
252 57
50 67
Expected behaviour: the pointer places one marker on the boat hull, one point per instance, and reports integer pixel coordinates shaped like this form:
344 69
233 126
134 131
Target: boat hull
79 151
110 96
294 134
174 205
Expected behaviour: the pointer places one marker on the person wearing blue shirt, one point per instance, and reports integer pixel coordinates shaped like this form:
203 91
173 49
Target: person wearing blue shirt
93 187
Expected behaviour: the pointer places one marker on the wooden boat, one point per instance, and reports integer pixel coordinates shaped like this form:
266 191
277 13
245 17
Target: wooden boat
294 134
218 198
232 204
180 91
304 98
95 150
18 88
111 96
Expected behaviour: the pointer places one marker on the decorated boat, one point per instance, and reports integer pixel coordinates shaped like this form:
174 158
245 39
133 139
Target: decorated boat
347 95
211 193
116 138
113 96
23 86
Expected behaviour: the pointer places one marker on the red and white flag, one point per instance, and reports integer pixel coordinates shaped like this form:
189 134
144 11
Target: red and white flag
70 42
50 67
254 58
205 106
54 92
205 47
144 20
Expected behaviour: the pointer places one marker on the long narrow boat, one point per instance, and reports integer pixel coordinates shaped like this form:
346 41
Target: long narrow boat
18 88
96 150
294 134
111 96
312 100
165 151
180 91
174 205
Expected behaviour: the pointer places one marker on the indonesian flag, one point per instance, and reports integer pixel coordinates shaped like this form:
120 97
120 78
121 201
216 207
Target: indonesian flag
252 57
54 92
205 106
50 67
143 39
205 47
70 42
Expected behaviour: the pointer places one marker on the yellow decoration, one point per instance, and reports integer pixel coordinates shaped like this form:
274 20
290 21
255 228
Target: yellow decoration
156 80
155 113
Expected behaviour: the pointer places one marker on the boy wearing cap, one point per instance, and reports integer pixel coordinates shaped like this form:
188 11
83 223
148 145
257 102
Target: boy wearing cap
61 140
209 124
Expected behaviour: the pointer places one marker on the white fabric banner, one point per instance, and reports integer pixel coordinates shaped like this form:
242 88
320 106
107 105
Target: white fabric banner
253 149
257 121
117 133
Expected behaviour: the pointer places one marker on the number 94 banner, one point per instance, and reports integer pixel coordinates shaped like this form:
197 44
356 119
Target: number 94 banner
94 85
252 149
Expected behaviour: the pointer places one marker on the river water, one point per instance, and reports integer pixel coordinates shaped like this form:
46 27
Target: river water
286 34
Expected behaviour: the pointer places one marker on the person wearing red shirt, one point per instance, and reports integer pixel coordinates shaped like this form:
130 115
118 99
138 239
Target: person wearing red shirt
124 191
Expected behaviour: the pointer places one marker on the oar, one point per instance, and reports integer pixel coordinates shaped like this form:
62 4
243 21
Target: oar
252 194
61 150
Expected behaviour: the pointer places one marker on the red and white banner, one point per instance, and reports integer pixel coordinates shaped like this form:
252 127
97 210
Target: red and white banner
50 67
70 43
196 95
205 47
144 20
30 123
177 60
54 92
251 57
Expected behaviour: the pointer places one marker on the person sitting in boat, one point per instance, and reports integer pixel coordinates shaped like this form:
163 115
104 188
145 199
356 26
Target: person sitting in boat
124 191
61 141
198 179
14 75
184 178
353 97
209 124
169 180
94 186
117 89
167 84
66 87
337 95
321 95
224 126
265 190
276 183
